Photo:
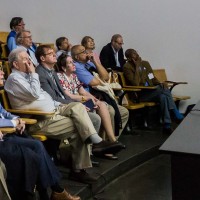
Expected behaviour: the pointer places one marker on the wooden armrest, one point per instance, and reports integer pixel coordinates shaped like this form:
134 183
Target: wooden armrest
127 89
172 84
7 130
30 112
29 121
142 87
177 83
42 138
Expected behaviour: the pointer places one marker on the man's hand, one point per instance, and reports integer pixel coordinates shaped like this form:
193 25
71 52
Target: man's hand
20 125
69 47
29 66
91 57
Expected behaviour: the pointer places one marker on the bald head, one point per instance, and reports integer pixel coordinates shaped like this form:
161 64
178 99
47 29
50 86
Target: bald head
77 51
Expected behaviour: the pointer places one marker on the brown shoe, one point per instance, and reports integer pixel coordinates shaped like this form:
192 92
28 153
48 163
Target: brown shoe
63 196
83 177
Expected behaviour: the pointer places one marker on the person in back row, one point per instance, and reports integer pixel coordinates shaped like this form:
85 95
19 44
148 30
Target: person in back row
138 72
24 40
16 25
112 55
89 44
63 46
69 120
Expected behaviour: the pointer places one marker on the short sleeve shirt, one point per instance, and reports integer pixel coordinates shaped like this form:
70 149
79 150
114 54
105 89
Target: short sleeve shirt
84 76
72 85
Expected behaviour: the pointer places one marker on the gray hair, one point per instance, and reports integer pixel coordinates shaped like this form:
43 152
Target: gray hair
14 56
19 37
115 37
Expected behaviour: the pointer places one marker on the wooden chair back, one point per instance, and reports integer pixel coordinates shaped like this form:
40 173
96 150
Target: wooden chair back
160 74
3 36
5 52
4 66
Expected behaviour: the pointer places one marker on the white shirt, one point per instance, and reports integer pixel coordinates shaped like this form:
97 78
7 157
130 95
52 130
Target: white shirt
24 92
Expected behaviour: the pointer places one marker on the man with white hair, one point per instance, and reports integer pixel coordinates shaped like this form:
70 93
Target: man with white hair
24 40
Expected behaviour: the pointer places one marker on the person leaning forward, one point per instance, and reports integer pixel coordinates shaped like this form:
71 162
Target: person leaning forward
69 121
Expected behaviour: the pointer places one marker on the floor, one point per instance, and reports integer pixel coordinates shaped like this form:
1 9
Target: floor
149 181
134 176
140 173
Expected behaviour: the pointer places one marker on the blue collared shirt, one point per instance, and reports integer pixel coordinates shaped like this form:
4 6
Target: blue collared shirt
83 74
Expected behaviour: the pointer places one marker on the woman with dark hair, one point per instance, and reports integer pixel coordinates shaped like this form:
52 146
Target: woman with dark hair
74 89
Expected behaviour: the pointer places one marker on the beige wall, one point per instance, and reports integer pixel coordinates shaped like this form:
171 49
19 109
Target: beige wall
165 32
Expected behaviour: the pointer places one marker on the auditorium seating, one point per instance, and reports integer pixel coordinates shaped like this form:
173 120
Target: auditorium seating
161 75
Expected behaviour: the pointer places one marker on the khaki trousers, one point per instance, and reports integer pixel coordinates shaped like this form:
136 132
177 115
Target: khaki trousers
3 188
72 122
124 116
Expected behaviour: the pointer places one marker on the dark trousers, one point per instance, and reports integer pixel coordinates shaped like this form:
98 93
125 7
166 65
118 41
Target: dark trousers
27 164
163 97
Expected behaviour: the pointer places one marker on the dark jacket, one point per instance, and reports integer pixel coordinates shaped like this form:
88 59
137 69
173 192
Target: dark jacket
47 84
108 59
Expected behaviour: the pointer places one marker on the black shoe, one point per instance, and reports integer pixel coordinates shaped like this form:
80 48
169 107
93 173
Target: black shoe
168 131
83 177
95 163
123 146
104 147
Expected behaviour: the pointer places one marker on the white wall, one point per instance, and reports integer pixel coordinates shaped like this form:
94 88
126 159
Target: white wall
165 32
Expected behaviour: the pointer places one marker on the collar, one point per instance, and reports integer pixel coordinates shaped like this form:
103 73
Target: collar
115 52
50 71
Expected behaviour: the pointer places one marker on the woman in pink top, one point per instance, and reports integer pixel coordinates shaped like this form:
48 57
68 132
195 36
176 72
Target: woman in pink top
74 89
89 44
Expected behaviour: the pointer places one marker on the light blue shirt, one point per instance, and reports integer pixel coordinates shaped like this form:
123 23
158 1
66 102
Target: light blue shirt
83 74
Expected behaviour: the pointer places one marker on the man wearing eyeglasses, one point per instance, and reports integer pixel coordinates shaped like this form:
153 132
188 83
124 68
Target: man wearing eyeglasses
112 55
85 64
16 25
24 40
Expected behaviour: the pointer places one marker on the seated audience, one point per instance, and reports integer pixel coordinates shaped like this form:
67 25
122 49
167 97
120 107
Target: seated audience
3 187
138 72
16 25
63 46
89 44
33 165
24 40
75 90
85 62
69 121
112 55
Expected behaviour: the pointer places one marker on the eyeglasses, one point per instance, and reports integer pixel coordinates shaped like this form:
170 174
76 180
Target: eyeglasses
50 53
84 52
29 36
119 43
